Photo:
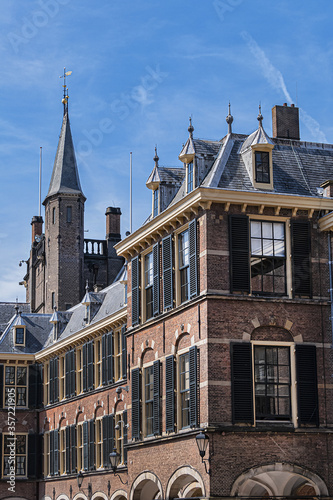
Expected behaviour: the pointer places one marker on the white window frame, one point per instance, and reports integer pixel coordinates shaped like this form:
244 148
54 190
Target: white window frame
180 230
16 385
99 442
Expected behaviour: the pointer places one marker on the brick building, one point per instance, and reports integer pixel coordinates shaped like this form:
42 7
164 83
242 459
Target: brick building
216 332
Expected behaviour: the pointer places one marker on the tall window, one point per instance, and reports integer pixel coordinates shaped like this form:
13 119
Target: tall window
46 454
53 300
20 441
62 374
79 447
272 383
155 203
149 395
268 259
98 362
262 167
79 370
53 215
149 284
69 214
119 435
117 342
184 389
16 378
190 177
62 450
99 443
184 263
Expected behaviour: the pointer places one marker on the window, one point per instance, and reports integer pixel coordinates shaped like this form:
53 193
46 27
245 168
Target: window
62 450
146 418
79 370
20 442
16 379
62 377
69 214
98 362
53 300
190 177
53 215
119 435
117 341
99 443
20 335
149 285
184 265
80 457
46 382
148 401
155 203
262 173
184 390
268 257
46 454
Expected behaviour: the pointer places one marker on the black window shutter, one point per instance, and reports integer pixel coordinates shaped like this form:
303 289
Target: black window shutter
73 372
156 279
52 453
35 386
32 455
111 435
56 452
84 367
85 445
242 387
301 257
91 445
167 272
1 387
105 430
40 456
104 361
193 368
1 471
239 253
67 374
307 386
136 403
109 363
56 380
170 393
156 399
123 351
135 290
73 448
125 435
51 378
90 365
68 449
192 227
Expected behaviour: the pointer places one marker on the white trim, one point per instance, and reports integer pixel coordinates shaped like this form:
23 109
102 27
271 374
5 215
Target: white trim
117 494
186 471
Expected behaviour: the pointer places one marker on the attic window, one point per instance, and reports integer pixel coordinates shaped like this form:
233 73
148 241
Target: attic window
20 335
262 173
190 177
155 203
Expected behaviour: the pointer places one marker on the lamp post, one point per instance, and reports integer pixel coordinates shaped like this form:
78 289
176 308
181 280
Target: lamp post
202 441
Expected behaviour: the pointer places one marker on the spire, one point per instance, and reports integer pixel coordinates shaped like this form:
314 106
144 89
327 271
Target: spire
65 98
260 117
65 175
156 158
191 128
229 119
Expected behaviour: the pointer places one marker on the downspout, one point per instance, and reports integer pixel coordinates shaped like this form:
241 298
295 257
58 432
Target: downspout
330 268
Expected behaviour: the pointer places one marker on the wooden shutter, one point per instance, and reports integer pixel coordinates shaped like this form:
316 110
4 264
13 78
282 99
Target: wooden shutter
193 368
136 403
307 385
35 386
67 374
32 455
73 448
52 453
104 362
105 430
91 444
170 393
1 387
84 368
239 253
192 228
135 267
85 445
156 279
90 365
241 379
68 449
125 435
123 352
301 257
56 452
156 399
167 272
73 372
109 358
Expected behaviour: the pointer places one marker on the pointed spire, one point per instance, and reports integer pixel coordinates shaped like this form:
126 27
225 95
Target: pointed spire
260 117
229 119
156 158
191 128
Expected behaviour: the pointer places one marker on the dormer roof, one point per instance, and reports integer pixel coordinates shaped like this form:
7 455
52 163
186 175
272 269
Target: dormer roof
257 137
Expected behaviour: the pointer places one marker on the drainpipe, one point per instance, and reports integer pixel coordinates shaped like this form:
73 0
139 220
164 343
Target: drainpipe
330 267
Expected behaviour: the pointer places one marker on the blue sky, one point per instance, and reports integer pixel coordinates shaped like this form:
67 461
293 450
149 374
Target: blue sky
140 69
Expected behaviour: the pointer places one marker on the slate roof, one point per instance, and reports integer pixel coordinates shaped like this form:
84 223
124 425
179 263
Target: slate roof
65 175
7 312
37 331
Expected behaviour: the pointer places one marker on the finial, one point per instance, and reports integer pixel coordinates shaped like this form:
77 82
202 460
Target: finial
191 128
17 307
65 97
260 117
87 286
229 119
156 158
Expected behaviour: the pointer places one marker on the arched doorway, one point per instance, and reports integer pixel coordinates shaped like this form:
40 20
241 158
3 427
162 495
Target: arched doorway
146 486
185 482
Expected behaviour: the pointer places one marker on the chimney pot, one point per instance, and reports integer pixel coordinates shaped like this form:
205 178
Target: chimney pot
285 104
113 222
292 105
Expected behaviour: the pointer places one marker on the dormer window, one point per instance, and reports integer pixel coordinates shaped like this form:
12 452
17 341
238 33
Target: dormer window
20 335
190 177
262 171
155 203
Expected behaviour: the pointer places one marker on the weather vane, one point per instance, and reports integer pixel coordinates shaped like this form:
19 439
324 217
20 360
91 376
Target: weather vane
65 98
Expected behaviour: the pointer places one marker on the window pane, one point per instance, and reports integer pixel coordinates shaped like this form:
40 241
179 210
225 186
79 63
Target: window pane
256 229
256 247
21 376
267 230
10 375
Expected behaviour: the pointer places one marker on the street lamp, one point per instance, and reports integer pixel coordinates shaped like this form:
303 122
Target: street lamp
79 478
115 461
202 441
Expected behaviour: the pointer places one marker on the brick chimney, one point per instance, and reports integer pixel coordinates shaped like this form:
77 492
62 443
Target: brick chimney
37 227
113 222
285 122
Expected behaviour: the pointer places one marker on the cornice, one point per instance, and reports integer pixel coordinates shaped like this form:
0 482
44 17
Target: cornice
326 222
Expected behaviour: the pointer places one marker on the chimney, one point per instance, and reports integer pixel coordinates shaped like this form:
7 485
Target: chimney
37 227
113 222
285 122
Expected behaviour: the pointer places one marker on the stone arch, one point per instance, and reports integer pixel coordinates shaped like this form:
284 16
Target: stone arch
99 496
119 495
186 479
80 496
62 496
278 480
146 486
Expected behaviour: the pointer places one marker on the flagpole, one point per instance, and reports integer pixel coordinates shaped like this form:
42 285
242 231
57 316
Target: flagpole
131 192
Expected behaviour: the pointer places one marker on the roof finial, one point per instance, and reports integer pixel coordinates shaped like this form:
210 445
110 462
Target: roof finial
260 117
156 158
87 286
191 128
229 119
65 98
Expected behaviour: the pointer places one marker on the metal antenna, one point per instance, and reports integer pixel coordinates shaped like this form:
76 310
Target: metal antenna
131 192
40 180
